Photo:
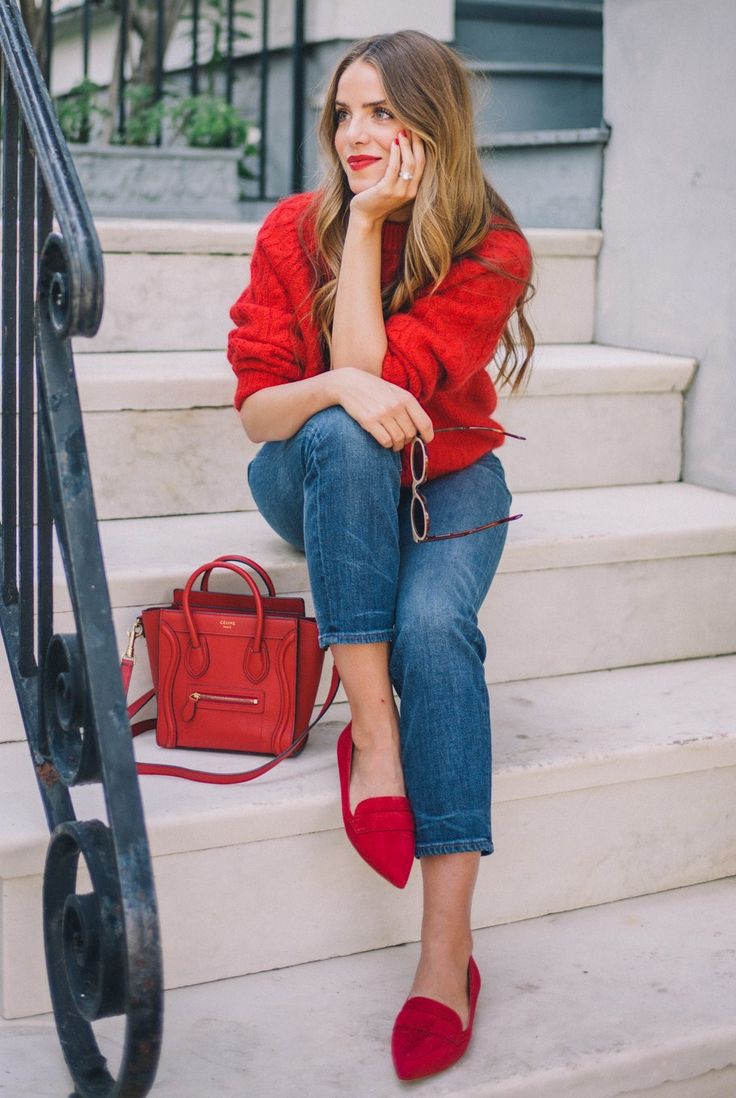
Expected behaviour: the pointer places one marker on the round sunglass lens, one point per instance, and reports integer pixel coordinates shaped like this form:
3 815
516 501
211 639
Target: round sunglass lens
417 461
418 517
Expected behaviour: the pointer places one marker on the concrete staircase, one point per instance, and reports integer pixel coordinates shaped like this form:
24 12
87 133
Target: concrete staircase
610 651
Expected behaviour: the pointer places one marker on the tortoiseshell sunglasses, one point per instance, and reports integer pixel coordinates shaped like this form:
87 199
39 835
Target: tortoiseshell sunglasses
419 511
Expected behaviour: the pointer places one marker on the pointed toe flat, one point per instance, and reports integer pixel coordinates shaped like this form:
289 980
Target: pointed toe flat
382 828
428 1036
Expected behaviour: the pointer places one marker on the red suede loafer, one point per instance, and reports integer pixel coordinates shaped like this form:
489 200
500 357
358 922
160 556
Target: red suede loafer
382 828
428 1036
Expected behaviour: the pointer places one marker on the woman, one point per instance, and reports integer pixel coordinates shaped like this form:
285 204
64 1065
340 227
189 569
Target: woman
374 307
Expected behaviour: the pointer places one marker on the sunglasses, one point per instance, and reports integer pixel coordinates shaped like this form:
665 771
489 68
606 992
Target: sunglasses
419 511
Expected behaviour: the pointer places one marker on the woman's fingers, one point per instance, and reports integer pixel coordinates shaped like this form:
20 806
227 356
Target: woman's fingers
409 165
414 421
403 427
422 424
407 153
397 430
394 161
392 192
392 415
403 159
381 434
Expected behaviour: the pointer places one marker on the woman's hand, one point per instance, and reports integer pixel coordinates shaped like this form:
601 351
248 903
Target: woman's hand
391 192
391 414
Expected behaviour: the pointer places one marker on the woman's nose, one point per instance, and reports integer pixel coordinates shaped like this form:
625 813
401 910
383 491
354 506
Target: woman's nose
356 130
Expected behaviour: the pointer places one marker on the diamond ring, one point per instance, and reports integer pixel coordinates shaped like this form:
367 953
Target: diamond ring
406 175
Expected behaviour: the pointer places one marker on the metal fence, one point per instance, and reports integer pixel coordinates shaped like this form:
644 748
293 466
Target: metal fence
192 72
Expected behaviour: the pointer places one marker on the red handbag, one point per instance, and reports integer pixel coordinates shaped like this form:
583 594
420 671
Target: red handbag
230 672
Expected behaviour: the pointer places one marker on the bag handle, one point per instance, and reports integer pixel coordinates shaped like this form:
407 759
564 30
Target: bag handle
243 560
193 634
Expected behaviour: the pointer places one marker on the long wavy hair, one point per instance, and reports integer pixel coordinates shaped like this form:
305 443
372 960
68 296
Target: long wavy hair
427 90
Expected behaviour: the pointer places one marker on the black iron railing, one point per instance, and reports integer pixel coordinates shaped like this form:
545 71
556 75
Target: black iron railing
103 950
261 60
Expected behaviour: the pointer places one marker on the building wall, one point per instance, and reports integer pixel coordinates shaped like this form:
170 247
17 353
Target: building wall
667 276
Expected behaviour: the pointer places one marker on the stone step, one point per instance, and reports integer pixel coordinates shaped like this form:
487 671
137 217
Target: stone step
570 164
591 776
169 285
586 581
547 32
537 95
155 414
590 578
630 998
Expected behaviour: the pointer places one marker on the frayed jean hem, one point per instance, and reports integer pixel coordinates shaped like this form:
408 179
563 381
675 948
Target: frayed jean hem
373 637
459 846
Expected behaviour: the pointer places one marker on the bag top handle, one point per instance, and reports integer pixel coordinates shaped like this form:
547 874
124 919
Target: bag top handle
243 560
194 636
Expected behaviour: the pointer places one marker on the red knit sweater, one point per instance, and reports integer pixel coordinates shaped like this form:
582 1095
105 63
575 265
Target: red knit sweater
438 350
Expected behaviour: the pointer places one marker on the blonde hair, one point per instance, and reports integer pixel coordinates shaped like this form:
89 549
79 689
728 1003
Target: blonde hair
427 89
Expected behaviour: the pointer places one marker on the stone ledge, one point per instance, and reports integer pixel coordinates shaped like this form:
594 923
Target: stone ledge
631 997
566 528
165 182
146 380
551 736
169 235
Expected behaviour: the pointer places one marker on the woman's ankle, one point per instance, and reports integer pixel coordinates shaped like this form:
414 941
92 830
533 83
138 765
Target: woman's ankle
376 732
449 947
442 974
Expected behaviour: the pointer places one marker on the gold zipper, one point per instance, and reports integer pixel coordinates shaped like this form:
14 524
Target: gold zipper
191 703
224 698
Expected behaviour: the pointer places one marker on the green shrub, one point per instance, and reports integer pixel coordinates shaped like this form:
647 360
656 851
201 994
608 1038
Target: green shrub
209 122
144 116
77 110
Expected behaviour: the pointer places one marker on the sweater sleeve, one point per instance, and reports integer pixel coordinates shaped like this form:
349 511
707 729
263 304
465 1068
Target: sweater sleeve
448 336
262 349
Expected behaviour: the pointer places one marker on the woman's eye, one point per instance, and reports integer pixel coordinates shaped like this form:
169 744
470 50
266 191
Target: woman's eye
340 113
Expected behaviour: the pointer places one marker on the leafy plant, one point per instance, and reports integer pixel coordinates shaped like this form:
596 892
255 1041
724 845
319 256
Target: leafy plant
77 110
204 121
144 116
209 121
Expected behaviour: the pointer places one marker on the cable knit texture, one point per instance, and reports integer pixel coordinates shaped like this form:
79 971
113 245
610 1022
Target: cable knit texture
439 349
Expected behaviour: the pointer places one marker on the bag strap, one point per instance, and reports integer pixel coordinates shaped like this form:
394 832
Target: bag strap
214 777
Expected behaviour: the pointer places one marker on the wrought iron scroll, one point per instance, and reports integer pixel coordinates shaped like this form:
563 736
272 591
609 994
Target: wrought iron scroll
103 951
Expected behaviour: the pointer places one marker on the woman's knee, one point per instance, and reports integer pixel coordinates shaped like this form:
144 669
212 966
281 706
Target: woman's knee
336 431
434 633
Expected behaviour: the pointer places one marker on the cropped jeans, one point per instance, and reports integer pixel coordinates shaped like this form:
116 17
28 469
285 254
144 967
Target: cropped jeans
334 493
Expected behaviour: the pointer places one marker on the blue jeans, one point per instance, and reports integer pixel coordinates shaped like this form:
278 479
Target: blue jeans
333 492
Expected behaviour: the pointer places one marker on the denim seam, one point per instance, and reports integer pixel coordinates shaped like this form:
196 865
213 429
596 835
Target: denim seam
456 845
357 638
323 576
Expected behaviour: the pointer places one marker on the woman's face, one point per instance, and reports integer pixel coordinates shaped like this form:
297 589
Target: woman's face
365 126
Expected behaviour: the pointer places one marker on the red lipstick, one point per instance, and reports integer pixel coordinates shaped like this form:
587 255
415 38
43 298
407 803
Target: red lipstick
358 162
